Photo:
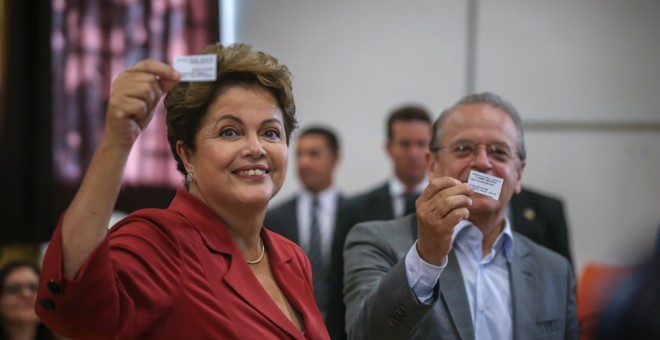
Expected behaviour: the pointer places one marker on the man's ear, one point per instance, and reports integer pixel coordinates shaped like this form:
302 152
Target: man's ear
184 153
336 159
388 148
519 176
430 160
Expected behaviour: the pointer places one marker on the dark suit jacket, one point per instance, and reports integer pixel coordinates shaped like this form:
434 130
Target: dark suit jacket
373 205
176 273
541 218
381 304
283 219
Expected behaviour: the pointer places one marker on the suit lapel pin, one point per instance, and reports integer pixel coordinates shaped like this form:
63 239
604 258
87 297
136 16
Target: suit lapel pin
529 214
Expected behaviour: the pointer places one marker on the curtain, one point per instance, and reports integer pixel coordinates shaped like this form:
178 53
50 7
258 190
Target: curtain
26 201
61 57
92 42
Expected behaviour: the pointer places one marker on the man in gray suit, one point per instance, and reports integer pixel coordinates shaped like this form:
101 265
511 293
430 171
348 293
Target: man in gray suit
455 269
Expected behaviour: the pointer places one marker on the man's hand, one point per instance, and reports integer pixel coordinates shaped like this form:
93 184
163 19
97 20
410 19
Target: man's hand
440 207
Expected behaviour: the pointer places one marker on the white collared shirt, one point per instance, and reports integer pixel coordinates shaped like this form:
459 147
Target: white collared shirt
397 189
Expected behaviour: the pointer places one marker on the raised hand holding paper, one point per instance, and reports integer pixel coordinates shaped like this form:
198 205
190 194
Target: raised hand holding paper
485 184
201 67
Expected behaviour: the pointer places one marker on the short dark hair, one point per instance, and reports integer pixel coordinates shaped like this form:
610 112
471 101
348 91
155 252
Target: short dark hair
42 331
487 98
407 113
329 135
9 267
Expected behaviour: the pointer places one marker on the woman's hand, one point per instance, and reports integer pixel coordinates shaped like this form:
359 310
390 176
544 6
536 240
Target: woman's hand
133 98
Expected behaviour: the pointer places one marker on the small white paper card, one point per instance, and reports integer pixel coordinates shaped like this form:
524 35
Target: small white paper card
485 184
201 67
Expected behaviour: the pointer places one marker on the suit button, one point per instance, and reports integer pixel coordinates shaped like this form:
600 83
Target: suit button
400 312
393 321
529 214
54 287
47 304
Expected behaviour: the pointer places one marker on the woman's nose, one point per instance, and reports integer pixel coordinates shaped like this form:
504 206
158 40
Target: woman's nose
254 147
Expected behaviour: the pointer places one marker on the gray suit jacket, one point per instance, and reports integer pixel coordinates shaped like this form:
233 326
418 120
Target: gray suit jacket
381 305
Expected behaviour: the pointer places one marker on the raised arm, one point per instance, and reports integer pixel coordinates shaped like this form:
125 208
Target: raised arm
133 97
380 301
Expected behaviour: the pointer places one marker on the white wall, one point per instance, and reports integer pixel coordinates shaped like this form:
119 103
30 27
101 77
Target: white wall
577 71
354 61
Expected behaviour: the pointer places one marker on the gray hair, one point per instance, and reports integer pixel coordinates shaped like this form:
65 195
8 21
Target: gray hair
488 98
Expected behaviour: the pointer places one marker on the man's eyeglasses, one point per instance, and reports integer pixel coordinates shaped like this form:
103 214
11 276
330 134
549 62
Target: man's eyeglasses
496 152
15 289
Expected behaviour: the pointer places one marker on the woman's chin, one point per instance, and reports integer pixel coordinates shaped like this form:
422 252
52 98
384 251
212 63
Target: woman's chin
256 198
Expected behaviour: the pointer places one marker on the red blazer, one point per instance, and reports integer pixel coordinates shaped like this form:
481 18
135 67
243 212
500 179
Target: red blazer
172 274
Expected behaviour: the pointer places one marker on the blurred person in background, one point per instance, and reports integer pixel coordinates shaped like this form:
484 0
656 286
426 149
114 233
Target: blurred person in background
19 281
408 130
633 310
541 218
308 218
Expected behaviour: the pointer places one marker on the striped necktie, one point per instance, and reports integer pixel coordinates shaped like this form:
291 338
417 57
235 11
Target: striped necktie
315 257
409 199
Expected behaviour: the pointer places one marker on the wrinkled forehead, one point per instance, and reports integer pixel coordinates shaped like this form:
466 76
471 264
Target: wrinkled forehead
481 121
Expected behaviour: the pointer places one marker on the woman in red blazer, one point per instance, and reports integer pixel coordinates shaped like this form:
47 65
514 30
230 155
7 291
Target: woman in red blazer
204 268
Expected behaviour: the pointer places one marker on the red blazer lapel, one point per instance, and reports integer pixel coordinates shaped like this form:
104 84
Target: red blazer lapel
287 265
240 278
292 272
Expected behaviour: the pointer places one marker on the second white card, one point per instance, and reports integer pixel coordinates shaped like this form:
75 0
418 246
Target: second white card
485 184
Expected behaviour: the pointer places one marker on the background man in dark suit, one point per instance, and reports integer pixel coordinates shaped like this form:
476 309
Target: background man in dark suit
309 217
456 269
408 137
541 218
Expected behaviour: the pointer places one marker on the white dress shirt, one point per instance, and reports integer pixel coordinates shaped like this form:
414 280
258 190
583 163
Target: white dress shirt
397 191
327 214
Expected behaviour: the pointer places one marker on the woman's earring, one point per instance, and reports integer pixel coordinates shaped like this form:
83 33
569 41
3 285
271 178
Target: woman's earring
189 177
